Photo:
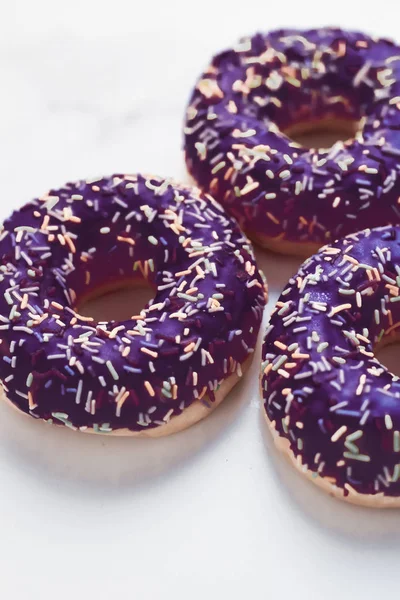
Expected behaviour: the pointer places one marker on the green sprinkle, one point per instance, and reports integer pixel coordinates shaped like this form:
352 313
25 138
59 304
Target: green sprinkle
153 240
59 415
396 441
63 417
352 447
105 428
388 422
279 362
352 337
8 298
321 347
381 334
86 334
354 436
218 167
395 299
187 297
360 457
396 473
29 380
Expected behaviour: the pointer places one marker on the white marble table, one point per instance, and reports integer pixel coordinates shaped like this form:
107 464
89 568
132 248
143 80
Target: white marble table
99 87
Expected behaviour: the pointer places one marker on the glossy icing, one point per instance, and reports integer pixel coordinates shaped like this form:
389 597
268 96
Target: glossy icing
249 95
200 327
324 389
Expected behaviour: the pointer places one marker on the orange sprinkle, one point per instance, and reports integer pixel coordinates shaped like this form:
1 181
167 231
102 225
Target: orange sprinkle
120 402
267 369
273 219
57 305
300 355
203 391
45 223
70 243
354 261
149 388
189 347
32 403
392 328
24 301
280 345
337 309
149 352
128 240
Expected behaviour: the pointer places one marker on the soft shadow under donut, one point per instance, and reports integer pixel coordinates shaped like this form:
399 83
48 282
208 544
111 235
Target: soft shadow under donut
354 523
113 464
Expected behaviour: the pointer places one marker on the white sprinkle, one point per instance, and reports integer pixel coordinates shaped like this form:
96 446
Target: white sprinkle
338 433
79 391
112 370
388 422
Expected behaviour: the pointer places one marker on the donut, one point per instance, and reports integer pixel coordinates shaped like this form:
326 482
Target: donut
166 367
333 408
253 97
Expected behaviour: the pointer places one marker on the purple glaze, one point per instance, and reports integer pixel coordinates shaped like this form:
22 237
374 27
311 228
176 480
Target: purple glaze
323 388
235 148
201 326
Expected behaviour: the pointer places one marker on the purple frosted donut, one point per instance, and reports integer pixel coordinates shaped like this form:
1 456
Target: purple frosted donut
251 97
332 406
165 368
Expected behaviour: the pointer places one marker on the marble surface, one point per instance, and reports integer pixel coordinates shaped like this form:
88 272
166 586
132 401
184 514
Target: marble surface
98 87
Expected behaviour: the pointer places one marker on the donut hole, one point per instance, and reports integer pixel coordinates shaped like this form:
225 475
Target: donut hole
118 302
322 134
115 281
388 354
